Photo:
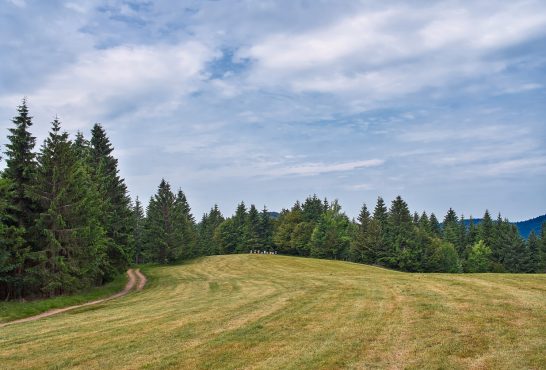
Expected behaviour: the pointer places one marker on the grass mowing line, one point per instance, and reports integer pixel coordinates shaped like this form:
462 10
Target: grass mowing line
136 280
271 312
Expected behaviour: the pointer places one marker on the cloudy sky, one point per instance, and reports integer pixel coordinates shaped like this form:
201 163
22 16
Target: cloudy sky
443 103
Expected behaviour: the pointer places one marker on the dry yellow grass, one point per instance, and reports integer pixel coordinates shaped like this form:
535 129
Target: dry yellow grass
276 312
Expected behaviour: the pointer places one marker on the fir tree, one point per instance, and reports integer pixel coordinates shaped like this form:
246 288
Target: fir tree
184 226
207 227
534 252
331 235
378 234
265 229
138 230
21 168
361 248
161 241
252 230
435 227
72 243
404 251
485 229
116 212
14 249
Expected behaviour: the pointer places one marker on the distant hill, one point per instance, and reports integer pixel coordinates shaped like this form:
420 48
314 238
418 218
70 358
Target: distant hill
274 215
524 227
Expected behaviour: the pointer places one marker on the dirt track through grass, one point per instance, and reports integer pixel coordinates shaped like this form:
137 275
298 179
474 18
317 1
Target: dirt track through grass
136 280
276 312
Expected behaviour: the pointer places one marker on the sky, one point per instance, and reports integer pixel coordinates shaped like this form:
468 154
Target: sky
443 103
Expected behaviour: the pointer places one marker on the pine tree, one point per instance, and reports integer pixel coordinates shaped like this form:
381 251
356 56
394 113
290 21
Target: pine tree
72 246
378 234
13 247
485 229
331 235
313 208
542 249
184 226
404 251
21 168
207 227
472 236
239 224
450 229
252 231
160 239
265 229
20 211
424 224
138 230
435 227
361 248
534 252
116 207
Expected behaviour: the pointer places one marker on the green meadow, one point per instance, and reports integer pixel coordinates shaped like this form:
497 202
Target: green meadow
278 312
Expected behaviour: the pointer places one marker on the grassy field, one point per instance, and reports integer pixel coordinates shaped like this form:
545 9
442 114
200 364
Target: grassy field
13 310
276 312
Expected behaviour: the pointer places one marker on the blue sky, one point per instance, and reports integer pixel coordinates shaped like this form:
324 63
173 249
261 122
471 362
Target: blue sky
271 101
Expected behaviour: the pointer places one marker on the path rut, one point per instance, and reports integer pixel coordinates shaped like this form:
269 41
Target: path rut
137 280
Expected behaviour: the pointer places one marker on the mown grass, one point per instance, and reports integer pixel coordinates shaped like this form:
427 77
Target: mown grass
14 310
276 312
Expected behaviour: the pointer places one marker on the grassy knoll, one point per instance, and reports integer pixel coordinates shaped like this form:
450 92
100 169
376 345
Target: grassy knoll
14 310
276 312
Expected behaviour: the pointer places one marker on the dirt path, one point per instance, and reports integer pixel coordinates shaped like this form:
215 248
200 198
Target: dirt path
137 280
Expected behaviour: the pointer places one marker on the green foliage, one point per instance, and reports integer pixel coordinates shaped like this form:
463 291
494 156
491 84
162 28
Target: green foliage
169 233
72 244
331 235
116 212
441 256
479 258
206 230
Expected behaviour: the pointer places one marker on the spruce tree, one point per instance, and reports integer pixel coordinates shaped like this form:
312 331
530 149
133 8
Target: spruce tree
138 230
72 243
160 235
207 227
542 249
239 227
184 226
20 211
21 168
252 230
361 249
378 234
404 251
265 229
534 252
331 235
14 249
485 229
435 227
116 207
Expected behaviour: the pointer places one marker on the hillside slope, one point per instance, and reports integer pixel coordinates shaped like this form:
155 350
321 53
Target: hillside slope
270 312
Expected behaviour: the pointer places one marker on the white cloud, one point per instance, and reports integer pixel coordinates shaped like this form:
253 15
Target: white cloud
387 53
310 169
147 77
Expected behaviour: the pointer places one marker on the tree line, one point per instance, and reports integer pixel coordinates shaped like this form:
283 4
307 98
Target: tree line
66 220
391 237
67 223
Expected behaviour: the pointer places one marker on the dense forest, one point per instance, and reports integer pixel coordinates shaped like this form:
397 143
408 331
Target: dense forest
67 223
